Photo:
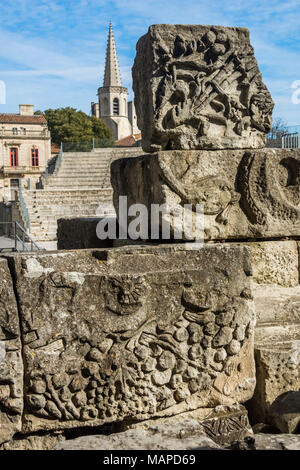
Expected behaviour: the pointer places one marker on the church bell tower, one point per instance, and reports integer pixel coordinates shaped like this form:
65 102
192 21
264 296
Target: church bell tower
113 106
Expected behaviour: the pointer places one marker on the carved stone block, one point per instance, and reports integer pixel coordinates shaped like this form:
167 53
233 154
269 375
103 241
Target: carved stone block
11 364
244 194
275 262
199 87
277 352
115 335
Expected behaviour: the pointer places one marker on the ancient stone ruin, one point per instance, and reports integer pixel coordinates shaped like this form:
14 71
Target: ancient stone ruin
188 339
199 87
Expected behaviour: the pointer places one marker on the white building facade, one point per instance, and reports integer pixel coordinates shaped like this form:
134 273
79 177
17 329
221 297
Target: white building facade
25 149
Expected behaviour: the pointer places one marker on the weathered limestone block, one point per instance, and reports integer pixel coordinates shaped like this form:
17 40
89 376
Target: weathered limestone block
183 435
120 334
277 372
199 87
223 424
285 412
276 305
277 348
244 194
275 262
44 441
11 365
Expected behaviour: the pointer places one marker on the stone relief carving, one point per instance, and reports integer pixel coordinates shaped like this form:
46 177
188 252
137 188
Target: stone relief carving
227 423
270 188
142 371
124 295
205 86
215 194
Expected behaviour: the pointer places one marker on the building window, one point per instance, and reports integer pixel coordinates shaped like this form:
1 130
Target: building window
115 106
14 183
13 156
15 131
23 129
34 157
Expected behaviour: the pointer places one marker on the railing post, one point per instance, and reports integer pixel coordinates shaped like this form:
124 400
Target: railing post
16 243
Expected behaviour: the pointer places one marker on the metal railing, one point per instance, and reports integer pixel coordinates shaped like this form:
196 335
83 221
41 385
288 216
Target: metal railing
87 146
23 207
291 141
58 160
14 231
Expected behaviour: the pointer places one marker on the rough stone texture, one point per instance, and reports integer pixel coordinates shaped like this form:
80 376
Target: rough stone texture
269 442
277 347
183 435
111 335
285 412
223 424
276 262
244 194
79 233
277 372
199 87
11 365
276 306
34 442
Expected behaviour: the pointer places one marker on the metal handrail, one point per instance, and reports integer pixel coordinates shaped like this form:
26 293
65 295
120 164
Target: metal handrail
31 241
22 237
24 210
58 160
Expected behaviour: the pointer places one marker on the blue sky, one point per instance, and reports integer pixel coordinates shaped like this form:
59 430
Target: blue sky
52 51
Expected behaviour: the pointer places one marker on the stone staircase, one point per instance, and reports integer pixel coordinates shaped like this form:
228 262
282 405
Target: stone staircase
80 188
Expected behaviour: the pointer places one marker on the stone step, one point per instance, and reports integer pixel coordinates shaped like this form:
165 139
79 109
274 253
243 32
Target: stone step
66 196
75 182
83 174
35 206
78 189
70 192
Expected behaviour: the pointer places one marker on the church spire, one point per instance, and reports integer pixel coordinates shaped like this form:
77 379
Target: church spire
112 73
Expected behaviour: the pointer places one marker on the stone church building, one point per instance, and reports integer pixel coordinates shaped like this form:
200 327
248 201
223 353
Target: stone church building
112 107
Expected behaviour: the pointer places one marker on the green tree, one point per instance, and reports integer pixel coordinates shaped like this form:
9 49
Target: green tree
70 125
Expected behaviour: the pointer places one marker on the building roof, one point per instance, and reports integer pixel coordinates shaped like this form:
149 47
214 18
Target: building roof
129 141
112 75
20 119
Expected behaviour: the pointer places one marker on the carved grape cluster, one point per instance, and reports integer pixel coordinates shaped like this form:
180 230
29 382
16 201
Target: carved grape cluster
163 367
